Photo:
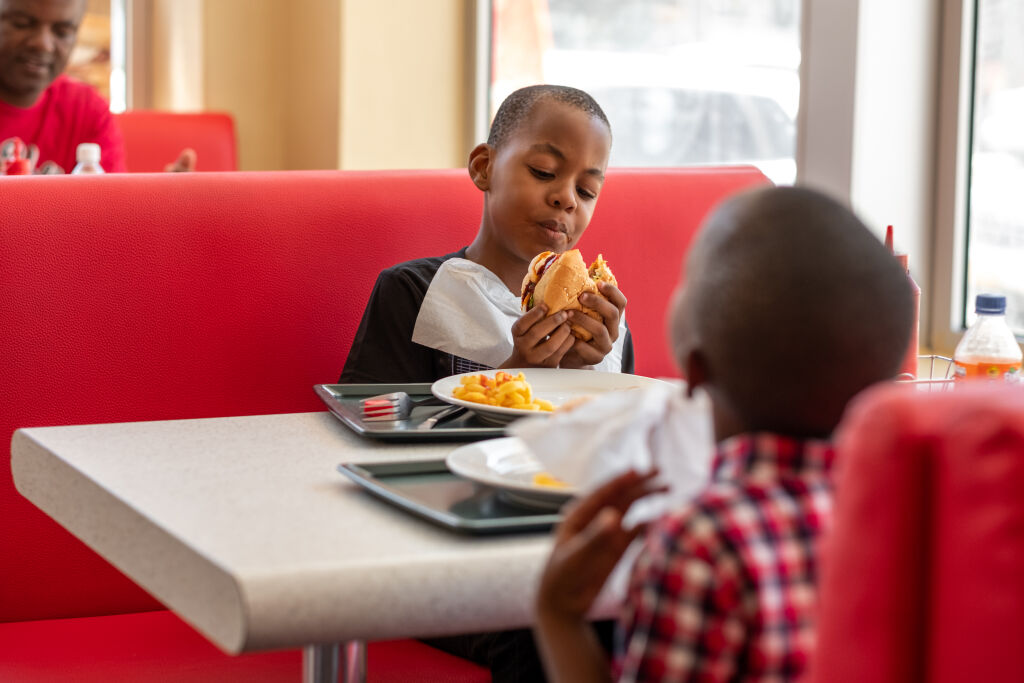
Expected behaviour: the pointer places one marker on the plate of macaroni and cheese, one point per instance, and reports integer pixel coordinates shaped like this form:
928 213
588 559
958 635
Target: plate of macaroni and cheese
510 467
500 396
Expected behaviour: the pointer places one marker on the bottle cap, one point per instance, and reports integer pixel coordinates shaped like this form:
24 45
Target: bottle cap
990 304
900 256
17 164
88 153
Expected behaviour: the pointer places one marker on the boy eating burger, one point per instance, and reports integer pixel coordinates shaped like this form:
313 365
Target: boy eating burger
541 172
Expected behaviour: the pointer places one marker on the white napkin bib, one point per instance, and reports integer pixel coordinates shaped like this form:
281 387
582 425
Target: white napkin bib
468 312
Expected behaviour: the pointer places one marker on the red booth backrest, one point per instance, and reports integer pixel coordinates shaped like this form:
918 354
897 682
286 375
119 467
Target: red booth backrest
923 572
159 296
153 139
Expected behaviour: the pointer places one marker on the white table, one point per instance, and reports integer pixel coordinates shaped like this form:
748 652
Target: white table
243 527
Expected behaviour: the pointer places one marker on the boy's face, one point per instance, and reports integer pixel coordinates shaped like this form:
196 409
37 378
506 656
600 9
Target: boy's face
542 183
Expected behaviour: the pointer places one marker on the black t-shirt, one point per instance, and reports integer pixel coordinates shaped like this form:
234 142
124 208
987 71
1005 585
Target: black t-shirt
383 350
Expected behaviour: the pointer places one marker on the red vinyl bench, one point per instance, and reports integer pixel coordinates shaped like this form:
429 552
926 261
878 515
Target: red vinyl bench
153 139
163 296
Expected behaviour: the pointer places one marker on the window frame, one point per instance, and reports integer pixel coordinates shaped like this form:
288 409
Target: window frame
952 182
482 28
119 55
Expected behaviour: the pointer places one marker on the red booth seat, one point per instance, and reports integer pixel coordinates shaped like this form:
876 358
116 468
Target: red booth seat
163 296
157 647
923 572
153 139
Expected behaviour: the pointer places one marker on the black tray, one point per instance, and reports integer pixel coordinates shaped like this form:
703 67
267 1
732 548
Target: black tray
343 401
430 490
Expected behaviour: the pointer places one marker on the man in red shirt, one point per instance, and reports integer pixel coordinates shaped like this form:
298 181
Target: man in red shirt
53 113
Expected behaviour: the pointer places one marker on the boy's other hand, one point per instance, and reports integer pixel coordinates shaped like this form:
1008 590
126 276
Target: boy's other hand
50 168
588 544
605 331
539 341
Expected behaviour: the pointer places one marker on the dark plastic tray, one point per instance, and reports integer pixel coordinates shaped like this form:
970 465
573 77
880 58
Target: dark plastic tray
343 401
430 490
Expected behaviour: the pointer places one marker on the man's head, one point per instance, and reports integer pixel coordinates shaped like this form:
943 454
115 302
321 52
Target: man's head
36 39
541 169
790 308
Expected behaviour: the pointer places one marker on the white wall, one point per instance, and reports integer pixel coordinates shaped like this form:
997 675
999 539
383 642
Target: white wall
870 119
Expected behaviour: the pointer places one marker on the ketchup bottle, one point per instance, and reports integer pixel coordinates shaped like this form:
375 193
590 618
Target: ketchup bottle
909 364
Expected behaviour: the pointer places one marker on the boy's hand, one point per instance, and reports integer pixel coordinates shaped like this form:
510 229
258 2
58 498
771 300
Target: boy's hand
588 544
605 331
539 341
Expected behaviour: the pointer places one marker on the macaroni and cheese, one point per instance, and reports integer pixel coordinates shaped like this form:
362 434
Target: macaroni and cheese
504 391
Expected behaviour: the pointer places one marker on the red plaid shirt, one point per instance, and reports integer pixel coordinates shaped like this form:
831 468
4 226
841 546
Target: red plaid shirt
724 589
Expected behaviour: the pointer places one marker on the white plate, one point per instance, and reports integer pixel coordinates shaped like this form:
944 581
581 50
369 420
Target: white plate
552 384
509 466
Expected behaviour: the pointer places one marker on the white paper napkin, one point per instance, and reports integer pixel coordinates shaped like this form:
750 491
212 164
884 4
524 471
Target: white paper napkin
468 311
638 429
617 431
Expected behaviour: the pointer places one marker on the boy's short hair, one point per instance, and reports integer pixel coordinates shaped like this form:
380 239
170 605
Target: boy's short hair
797 307
517 106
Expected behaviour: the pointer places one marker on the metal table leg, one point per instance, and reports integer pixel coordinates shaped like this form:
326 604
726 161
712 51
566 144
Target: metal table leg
353 664
322 663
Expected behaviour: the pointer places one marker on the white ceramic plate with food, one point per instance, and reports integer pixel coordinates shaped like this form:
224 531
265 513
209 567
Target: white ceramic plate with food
556 385
509 466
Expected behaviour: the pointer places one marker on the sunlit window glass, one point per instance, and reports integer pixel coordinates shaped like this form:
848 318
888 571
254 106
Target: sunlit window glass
682 81
995 246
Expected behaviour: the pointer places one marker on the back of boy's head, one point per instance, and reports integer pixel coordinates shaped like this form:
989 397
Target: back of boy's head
517 106
796 307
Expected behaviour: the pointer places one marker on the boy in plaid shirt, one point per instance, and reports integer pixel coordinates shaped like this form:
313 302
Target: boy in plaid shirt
790 308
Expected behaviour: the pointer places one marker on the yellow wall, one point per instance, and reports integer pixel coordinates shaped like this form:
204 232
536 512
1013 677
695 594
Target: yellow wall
177 58
357 84
247 58
275 66
404 101
312 82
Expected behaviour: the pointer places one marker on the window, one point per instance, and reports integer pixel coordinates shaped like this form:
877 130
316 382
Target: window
995 226
682 81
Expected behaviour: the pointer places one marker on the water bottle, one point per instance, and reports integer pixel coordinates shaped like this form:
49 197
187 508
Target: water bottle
988 349
88 157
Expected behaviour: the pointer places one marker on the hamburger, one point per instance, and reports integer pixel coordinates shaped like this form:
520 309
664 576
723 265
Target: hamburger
557 280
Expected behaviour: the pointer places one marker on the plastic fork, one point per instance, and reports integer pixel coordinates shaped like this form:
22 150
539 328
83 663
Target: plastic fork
392 407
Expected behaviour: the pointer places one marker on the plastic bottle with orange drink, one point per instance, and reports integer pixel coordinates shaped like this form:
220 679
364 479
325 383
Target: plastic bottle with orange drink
988 349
